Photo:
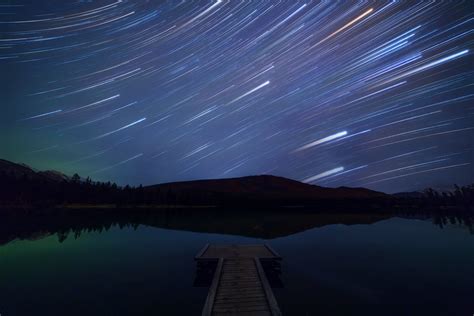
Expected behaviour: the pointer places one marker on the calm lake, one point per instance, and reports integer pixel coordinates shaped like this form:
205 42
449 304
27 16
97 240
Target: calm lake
337 265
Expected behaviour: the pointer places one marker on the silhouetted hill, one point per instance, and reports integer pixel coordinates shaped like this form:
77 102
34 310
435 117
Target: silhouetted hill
21 171
267 186
262 187
23 186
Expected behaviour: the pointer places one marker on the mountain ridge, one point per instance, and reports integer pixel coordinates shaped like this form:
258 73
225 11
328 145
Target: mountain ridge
20 170
267 184
23 183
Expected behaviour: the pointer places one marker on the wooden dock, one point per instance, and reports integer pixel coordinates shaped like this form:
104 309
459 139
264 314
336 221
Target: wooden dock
239 285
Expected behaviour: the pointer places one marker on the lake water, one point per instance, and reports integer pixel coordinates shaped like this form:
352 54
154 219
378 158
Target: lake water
387 266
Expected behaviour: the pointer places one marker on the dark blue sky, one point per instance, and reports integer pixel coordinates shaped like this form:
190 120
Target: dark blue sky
376 94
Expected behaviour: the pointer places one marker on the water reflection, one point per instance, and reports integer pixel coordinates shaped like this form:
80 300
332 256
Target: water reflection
381 267
265 224
204 273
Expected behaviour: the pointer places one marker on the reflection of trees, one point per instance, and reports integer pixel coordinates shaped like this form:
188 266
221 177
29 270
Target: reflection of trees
99 227
249 223
441 221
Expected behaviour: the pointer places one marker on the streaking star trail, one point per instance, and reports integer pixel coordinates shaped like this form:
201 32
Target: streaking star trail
375 94
322 140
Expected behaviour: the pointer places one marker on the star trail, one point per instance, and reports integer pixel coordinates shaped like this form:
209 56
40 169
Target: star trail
374 94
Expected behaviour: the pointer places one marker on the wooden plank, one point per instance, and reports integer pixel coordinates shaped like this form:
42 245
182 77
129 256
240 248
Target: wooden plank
238 276
259 313
232 286
243 309
240 279
238 266
207 310
254 301
275 310
240 287
240 299
250 271
228 280
236 251
243 293
237 304
241 270
241 303
243 286
232 308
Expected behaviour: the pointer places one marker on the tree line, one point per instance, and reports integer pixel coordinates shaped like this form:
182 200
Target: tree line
42 191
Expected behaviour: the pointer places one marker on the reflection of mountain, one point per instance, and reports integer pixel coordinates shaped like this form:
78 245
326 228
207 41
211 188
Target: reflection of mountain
265 224
262 224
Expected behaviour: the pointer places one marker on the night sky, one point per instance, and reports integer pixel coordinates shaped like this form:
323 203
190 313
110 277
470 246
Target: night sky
373 94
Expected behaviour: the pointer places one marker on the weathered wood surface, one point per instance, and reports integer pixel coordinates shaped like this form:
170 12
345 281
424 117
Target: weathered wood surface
207 310
214 252
239 286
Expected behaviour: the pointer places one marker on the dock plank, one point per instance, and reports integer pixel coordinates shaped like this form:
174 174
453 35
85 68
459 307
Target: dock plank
239 285
259 313
236 251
